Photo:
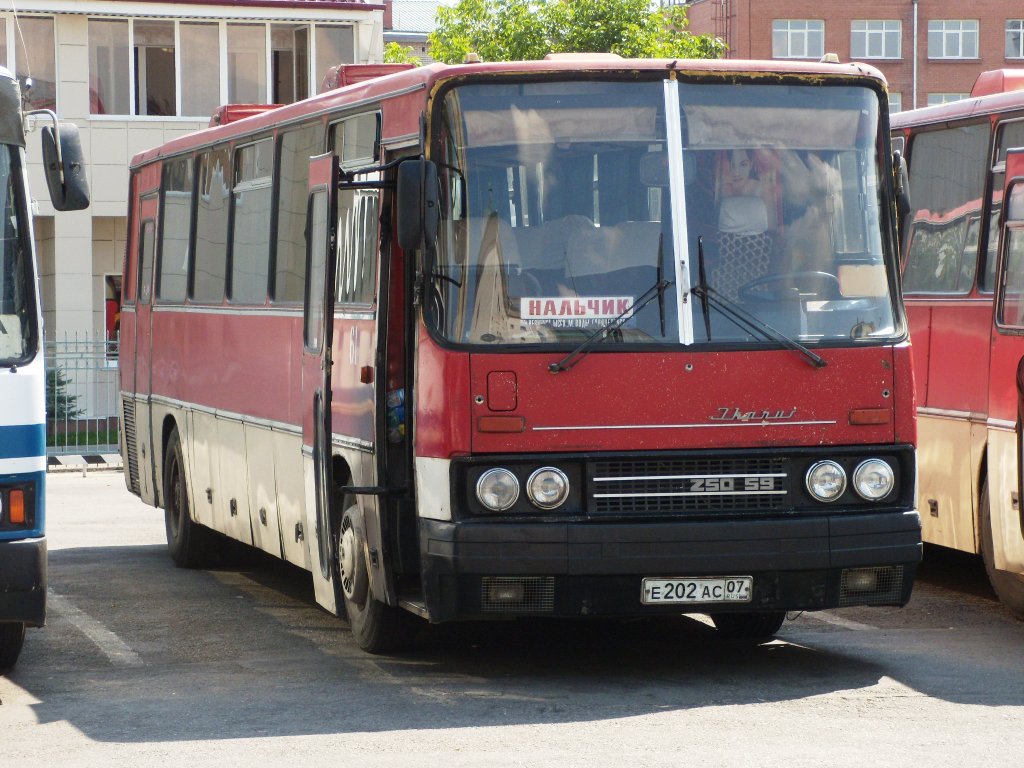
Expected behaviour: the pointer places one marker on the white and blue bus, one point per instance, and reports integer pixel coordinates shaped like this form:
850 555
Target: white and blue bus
22 371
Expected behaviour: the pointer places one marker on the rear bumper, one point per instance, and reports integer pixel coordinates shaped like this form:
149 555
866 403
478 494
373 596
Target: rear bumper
23 581
597 568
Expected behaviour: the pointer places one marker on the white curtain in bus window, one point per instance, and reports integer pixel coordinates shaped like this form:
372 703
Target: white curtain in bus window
317 268
947 182
333 46
36 58
154 68
297 146
1011 308
247 64
176 206
200 69
211 226
109 92
250 247
16 312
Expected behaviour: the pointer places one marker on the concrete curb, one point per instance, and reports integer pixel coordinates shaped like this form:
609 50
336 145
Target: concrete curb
84 462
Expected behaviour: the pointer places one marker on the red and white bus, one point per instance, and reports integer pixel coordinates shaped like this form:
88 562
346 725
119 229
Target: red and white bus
967 367
575 337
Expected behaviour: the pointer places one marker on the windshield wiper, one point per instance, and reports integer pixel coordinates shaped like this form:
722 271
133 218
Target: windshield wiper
745 320
703 286
567 362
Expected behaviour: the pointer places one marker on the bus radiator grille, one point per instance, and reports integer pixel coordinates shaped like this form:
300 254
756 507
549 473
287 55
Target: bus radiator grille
689 486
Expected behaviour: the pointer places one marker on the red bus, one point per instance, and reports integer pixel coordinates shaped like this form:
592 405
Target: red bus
966 366
575 337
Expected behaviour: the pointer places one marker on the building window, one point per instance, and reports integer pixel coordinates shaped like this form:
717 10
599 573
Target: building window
935 99
895 102
1015 38
875 39
34 56
189 68
798 39
953 39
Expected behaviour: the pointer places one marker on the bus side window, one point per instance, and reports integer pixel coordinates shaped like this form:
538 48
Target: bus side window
1009 135
175 228
1011 303
210 267
147 240
947 179
295 147
250 238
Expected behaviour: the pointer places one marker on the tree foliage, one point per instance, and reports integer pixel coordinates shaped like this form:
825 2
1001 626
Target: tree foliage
513 30
396 53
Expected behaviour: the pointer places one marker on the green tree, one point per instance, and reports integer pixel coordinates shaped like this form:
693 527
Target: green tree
512 30
395 53
61 405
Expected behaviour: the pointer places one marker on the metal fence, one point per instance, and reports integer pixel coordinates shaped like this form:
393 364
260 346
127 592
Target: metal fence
81 396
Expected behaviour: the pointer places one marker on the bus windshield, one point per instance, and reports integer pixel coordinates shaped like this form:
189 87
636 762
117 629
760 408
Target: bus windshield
563 201
17 309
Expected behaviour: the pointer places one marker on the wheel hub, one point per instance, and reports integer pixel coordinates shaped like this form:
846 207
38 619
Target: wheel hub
351 565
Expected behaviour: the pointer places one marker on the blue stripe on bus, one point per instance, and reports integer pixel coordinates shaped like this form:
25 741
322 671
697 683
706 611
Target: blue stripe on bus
23 441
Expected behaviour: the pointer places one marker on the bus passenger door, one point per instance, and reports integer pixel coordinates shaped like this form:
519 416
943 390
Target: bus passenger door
1002 534
318 315
141 468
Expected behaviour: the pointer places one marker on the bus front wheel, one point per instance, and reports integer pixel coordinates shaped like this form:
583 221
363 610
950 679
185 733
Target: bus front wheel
376 627
12 637
1008 586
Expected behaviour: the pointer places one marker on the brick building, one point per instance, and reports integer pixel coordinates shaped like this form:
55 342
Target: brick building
931 51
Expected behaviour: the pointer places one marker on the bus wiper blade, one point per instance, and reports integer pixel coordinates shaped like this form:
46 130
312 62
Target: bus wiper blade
703 285
605 330
755 325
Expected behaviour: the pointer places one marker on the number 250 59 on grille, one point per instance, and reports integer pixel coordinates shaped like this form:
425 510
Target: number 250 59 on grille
722 589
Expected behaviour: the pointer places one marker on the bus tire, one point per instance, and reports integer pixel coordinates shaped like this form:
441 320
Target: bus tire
1009 587
749 626
189 543
12 638
377 628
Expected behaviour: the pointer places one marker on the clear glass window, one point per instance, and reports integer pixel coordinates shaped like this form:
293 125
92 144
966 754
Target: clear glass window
155 77
109 90
36 58
214 194
334 45
953 39
18 326
1015 38
247 63
250 250
875 38
175 228
200 68
316 295
798 38
290 62
297 145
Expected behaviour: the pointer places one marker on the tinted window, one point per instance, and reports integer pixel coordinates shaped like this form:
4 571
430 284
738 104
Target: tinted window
176 202
250 249
211 226
297 146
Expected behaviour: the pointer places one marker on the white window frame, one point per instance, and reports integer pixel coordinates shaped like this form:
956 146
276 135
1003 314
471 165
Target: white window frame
1015 27
869 30
953 29
798 30
895 102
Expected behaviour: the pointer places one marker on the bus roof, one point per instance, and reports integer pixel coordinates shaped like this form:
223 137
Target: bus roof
428 77
999 90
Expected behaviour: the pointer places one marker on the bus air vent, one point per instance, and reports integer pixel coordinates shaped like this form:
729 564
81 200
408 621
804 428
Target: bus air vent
129 445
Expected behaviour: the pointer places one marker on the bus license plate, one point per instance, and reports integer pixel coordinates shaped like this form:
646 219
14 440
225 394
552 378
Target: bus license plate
724 589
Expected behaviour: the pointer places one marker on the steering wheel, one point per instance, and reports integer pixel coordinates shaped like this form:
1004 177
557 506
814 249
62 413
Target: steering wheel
790 285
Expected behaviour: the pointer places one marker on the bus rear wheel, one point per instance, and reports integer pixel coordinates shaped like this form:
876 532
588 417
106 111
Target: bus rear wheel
12 637
376 627
1009 587
189 543
749 626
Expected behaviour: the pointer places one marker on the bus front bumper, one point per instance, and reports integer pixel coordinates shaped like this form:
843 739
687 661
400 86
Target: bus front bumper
23 581
477 569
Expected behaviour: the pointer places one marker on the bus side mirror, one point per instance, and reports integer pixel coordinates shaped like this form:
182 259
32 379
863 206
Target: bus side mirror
65 170
901 180
418 203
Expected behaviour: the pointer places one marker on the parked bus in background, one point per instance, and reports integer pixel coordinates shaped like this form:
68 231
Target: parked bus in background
22 374
967 368
575 337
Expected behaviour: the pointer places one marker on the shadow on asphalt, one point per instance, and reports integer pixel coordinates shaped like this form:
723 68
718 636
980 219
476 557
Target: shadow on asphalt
244 651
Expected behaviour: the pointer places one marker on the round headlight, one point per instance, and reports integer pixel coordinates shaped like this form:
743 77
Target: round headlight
547 487
873 479
497 489
826 481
